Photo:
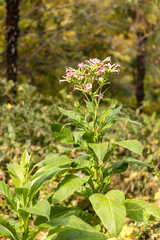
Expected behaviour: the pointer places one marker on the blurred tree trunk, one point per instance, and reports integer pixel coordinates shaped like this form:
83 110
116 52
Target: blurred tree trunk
12 33
141 57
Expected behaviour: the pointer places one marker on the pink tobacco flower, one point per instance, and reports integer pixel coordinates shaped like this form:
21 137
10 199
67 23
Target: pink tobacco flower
81 65
67 70
60 80
101 70
108 59
75 88
116 70
80 76
94 60
70 74
100 96
100 79
108 65
88 87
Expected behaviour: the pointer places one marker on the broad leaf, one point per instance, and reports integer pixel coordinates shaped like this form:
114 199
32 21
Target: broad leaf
110 209
100 149
16 173
62 133
42 208
9 197
58 211
139 210
79 229
132 145
7 230
78 135
128 120
23 192
67 187
55 160
77 234
45 174
88 136
73 115
83 162
122 165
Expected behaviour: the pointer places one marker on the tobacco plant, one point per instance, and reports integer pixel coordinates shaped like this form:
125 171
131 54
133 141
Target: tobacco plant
92 138
25 203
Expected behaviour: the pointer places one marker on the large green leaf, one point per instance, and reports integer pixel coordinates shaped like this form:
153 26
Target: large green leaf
73 115
24 163
132 145
16 173
79 230
139 210
43 175
58 211
6 230
42 208
122 165
55 160
82 162
23 192
9 197
77 234
100 149
62 133
67 187
110 209
109 118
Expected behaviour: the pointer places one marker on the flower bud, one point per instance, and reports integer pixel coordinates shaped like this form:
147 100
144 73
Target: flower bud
76 104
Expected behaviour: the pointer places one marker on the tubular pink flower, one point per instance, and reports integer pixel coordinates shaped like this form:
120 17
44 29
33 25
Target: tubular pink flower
100 79
81 65
67 70
75 88
101 70
80 76
108 59
94 60
89 85
62 80
108 65
100 96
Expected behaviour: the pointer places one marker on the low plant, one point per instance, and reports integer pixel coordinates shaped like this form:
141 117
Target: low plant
24 201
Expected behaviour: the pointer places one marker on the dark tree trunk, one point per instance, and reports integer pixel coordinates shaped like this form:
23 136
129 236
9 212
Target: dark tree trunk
141 56
12 33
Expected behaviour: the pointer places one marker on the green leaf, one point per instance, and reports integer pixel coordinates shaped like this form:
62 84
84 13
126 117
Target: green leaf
62 133
122 165
7 230
23 192
55 160
128 120
25 159
67 187
41 176
139 210
83 162
58 211
85 231
109 118
73 115
100 149
78 135
132 145
77 234
88 136
42 208
9 197
16 173
110 209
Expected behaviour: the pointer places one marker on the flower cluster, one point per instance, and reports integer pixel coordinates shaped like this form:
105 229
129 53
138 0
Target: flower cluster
89 73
